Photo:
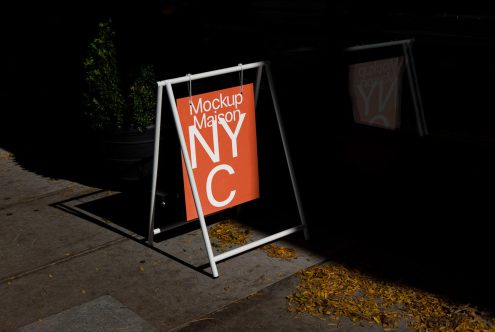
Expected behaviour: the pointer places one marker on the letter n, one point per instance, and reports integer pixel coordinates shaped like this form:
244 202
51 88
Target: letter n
194 133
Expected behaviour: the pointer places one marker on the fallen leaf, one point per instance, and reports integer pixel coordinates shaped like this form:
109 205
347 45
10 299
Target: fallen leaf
273 250
333 291
228 233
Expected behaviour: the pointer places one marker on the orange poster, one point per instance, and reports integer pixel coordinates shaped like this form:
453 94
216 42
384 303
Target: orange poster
220 133
375 92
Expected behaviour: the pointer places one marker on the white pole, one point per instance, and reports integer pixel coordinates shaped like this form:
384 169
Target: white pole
257 243
192 182
259 72
378 45
416 88
156 154
211 73
286 150
413 91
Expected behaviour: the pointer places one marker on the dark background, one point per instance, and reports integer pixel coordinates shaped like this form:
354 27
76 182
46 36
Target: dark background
404 207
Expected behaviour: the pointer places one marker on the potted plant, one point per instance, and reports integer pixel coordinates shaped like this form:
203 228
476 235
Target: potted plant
122 115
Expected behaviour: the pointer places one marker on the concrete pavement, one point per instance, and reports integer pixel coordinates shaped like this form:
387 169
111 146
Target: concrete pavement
63 266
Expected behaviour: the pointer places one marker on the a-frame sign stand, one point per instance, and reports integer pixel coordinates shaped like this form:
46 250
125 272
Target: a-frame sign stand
411 75
192 182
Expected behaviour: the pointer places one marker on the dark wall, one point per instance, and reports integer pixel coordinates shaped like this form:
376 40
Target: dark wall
377 189
44 44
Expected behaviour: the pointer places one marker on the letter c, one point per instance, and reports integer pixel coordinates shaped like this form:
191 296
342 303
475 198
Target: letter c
209 192
217 105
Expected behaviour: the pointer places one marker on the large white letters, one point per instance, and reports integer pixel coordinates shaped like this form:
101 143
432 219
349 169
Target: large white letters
233 135
214 155
209 180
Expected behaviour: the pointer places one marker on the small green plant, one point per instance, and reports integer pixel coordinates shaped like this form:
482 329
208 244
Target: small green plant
108 105
143 97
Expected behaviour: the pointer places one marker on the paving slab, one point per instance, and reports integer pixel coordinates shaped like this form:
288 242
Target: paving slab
167 286
34 233
101 314
163 291
267 310
58 259
19 185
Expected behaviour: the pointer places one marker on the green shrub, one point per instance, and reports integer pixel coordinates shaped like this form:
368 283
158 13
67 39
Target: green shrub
107 106
142 97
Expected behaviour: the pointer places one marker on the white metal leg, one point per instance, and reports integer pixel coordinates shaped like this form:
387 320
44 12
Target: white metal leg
192 182
413 90
286 150
259 72
156 154
416 88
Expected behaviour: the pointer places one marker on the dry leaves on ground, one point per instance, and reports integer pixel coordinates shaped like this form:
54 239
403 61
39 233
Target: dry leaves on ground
334 291
227 233
273 250
4 155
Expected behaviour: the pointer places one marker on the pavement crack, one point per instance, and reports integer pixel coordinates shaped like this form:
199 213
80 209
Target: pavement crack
62 260
194 321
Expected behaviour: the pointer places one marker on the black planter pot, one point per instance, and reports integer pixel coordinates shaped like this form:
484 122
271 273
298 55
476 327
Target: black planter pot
128 158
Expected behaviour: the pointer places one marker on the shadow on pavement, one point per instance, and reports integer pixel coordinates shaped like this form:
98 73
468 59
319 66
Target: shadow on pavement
400 208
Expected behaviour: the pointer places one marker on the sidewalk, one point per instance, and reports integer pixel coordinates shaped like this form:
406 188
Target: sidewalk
73 260
62 272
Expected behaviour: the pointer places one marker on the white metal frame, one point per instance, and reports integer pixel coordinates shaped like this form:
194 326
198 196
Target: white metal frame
168 85
411 74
